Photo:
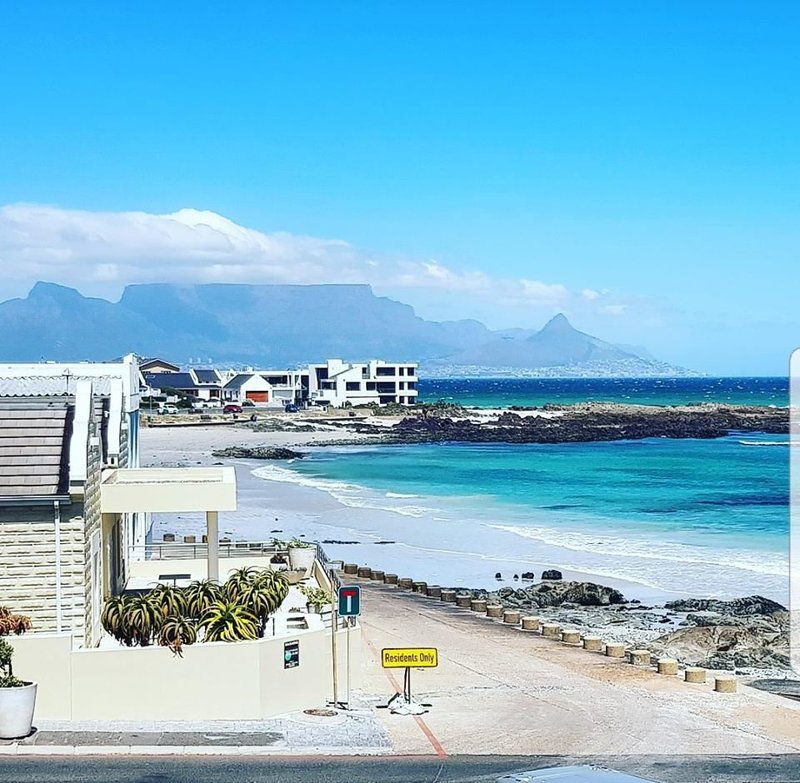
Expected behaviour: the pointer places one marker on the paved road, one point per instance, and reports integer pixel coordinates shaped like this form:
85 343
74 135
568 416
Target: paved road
458 769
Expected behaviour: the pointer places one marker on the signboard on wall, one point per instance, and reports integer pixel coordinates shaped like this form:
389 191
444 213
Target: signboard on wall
291 654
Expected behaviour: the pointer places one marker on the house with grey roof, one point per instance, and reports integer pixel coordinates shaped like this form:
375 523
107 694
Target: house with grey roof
60 428
199 384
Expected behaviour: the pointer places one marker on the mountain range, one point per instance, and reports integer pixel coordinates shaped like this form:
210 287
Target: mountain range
284 325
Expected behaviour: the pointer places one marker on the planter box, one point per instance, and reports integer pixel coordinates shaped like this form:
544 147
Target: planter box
16 711
302 557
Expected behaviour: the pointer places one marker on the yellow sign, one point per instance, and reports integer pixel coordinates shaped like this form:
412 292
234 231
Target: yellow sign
403 657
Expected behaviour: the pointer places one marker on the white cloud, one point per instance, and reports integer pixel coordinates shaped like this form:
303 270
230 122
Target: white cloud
110 249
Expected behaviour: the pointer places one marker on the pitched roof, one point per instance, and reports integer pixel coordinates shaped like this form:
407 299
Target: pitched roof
144 363
207 376
34 449
171 380
239 380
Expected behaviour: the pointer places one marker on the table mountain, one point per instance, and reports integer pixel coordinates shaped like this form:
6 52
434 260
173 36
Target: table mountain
283 325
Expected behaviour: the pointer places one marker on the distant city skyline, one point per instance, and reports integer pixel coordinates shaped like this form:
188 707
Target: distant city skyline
634 167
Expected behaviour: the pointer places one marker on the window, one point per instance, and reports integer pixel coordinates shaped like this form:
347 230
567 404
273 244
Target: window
353 386
383 371
371 386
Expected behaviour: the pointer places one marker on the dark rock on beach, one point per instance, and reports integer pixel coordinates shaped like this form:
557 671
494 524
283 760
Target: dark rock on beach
552 574
257 452
557 594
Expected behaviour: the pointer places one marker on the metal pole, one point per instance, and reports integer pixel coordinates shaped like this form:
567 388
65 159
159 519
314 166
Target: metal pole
347 641
334 619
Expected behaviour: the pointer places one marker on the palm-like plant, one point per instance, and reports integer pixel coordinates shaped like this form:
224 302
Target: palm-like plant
141 620
276 583
239 581
176 632
170 600
200 595
224 621
260 602
113 616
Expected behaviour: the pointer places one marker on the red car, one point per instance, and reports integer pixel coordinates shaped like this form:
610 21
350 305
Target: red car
232 408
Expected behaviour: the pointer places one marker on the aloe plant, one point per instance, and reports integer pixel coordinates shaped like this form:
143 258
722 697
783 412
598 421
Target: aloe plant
113 617
11 623
200 595
239 581
177 632
7 678
229 622
170 600
141 621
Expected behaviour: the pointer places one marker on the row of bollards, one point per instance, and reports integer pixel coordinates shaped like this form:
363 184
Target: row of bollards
723 683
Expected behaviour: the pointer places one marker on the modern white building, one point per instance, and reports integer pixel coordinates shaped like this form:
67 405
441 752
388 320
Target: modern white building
335 382
339 383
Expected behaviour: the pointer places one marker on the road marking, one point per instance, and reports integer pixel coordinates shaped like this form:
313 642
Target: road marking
424 728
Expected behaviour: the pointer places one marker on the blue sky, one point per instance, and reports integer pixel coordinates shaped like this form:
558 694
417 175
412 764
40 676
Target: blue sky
632 164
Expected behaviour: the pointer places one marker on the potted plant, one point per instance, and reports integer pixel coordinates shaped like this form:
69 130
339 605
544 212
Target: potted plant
301 555
316 598
17 697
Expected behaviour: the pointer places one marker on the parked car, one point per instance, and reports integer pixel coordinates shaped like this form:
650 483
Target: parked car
291 408
248 404
169 408
232 408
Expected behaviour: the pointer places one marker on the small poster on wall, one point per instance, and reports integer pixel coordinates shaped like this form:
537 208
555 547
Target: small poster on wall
291 654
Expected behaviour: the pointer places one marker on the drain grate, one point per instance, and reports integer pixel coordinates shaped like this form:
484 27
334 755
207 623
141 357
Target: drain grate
321 713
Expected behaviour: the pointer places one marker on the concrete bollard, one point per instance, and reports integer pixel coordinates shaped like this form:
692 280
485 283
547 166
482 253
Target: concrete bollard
434 591
593 643
405 582
478 605
668 666
464 600
494 610
351 569
169 537
364 572
189 539
377 576
615 650
694 674
530 623
448 596
420 587
511 617
725 683
571 636
551 630
390 579
639 657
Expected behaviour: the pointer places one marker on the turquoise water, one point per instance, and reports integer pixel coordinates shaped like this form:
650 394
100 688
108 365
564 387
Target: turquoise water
502 392
700 517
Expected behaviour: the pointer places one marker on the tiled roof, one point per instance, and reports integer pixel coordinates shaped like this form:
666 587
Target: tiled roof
50 386
34 449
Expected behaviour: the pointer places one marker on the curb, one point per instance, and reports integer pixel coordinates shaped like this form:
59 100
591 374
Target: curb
185 750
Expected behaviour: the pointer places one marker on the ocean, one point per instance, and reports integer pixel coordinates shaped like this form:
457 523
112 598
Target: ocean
676 517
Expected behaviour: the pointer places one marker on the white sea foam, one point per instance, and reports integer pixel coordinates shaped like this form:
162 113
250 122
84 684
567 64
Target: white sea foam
766 563
352 495
766 443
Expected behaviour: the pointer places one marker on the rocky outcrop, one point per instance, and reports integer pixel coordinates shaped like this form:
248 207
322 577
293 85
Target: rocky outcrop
747 632
595 422
548 594
257 452
739 607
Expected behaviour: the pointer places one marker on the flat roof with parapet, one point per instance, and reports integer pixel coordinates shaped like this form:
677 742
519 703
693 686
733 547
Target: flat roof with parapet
168 489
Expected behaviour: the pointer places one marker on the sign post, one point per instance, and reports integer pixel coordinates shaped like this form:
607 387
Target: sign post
408 658
349 600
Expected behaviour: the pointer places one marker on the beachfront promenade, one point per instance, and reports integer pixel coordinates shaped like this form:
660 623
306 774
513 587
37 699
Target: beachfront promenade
498 690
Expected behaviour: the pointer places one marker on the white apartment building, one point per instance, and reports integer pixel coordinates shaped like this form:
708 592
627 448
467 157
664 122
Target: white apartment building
339 383
334 382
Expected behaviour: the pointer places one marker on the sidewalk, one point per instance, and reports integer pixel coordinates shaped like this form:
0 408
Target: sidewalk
355 733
